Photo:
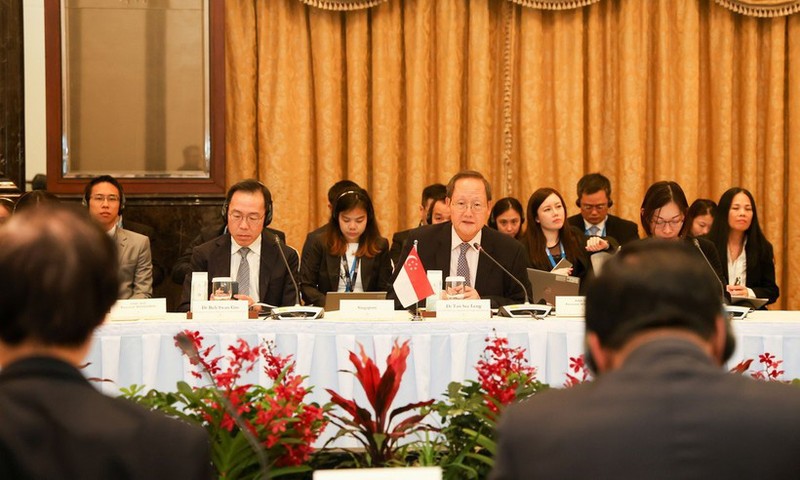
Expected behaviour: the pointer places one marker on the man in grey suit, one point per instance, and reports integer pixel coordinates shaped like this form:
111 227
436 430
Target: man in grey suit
60 279
106 201
662 406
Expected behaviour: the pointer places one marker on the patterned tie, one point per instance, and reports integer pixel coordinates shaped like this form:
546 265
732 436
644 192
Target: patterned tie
594 230
243 276
462 268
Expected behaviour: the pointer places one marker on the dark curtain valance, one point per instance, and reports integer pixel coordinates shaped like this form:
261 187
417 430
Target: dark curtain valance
762 8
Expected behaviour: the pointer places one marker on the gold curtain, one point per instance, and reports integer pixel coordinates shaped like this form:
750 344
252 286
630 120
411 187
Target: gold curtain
408 92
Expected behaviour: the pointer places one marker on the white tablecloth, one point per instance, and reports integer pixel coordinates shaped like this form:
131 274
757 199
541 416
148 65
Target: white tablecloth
143 352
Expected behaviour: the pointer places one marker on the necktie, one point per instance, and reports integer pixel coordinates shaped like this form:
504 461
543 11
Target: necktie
594 230
462 268
243 275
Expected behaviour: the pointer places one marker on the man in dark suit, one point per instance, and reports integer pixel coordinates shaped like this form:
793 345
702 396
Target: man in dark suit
247 253
449 246
60 270
430 194
594 200
662 406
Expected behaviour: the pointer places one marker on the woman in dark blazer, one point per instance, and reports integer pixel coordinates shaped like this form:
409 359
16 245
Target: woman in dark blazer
663 215
746 253
349 255
550 238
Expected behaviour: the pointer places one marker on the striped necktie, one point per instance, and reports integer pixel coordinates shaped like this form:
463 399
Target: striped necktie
243 275
462 268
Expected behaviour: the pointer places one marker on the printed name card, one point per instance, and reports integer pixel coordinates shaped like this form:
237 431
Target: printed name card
138 308
570 306
220 310
463 309
367 309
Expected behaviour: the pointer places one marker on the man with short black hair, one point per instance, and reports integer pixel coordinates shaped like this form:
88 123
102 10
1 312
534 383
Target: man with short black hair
594 200
450 246
60 280
106 201
247 252
430 194
663 406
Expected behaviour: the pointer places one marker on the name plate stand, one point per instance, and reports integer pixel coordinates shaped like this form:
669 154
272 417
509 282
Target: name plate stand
220 310
367 309
463 309
570 306
138 308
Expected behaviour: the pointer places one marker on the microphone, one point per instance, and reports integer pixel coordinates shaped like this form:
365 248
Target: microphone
189 349
297 311
519 310
696 243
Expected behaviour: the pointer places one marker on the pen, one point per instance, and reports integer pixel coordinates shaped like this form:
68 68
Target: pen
738 281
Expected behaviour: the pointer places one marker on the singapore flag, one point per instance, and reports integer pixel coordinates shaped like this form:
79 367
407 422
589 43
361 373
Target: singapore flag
411 284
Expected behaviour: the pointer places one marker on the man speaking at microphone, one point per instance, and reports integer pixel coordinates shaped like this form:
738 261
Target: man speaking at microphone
451 246
247 252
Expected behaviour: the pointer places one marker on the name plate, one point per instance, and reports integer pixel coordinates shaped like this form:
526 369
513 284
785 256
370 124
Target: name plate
367 309
464 309
138 308
220 310
570 306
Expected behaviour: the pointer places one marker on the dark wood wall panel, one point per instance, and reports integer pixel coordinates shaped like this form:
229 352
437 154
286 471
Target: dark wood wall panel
12 104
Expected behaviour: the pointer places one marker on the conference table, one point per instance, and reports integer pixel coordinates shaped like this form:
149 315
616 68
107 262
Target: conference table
143 352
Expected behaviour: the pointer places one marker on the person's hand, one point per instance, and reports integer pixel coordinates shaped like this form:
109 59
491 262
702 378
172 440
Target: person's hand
596 244
737 290
250 302
563 271
470 293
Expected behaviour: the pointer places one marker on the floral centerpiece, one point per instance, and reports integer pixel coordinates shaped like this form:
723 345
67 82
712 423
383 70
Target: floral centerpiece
379 435
276 416
472 408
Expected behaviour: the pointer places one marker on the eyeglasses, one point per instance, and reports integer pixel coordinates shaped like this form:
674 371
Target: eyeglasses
250 218
599 207
676 222
462 206
102 198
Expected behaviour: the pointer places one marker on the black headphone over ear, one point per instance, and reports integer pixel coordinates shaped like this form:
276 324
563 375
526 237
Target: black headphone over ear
104 179
333 207
250 185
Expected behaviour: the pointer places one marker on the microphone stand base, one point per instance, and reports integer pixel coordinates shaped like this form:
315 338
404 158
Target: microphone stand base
525 310
297 312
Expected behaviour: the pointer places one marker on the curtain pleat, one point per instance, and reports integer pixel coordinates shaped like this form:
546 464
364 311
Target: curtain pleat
407 93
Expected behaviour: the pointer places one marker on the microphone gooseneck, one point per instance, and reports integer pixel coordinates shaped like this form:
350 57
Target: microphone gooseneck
288 269
696 243
481 250
189 349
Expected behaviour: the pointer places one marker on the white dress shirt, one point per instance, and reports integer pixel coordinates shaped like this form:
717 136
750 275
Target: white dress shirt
472 255
253 259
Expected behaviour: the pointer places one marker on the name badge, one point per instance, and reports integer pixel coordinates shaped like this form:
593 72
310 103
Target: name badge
570 306
464 309
220 310
367 309
138 308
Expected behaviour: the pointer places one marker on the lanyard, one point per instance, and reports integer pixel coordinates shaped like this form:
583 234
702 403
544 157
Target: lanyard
550 255
351 274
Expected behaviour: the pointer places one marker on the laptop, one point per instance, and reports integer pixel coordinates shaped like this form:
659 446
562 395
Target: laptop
332 299
547 285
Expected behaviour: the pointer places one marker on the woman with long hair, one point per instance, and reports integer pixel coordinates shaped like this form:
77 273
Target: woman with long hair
744 249
700 216
663 215
349 255
508 217
549 238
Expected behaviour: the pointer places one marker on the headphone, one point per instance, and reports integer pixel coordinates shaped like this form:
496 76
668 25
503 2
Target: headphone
610 202
250 185
359 193
87 192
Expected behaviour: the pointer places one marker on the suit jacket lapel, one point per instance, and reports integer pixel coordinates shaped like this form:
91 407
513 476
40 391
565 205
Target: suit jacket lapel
220 261
332 270
484 264
366 271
